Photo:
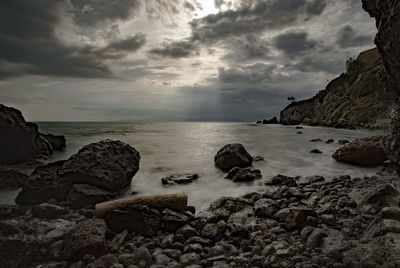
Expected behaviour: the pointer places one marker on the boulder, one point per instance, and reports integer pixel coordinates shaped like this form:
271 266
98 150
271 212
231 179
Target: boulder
281 180
179 179
20 141
88 237
237 174
315 151
104 261
57 142
232 155
85 195
109 165
10 178
48 211
363 152
297 217
106 164
378 197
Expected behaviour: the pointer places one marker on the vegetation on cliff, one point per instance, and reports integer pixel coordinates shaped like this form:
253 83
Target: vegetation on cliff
354 99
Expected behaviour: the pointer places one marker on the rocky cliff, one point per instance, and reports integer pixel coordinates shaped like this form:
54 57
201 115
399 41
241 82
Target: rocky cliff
354 99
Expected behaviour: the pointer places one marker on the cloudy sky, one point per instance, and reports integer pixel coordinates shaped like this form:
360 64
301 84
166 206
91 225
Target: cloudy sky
172 60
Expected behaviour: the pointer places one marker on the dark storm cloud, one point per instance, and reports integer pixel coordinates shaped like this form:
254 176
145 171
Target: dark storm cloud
28 44
91 12
247 74
253 17
319 63
294 43
348 37
177 49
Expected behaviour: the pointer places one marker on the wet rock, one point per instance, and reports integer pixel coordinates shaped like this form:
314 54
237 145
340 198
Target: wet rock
297 217
258 158
105 261
330 141
86 196
135 218
140 256
237 174
265 208
189 259
88 237
187 231
20 141
179 179
333 245
56 142
299 132
232 155
343 142
241 216
17 251
363 152
384 195
172 220
10 178
391 213
298 127
107 164
315 140
315 151
281 180
11 211
316 237
48 211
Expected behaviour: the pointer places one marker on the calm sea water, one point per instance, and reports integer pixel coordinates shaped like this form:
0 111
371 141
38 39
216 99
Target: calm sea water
170 148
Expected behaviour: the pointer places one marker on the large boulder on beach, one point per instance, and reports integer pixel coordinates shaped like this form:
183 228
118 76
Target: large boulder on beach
363 152
108 165
20 141
57 142
232 155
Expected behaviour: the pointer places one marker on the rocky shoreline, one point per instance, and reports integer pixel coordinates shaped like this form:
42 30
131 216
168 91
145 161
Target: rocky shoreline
309 222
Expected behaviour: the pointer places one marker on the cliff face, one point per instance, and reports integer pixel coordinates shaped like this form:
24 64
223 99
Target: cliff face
354 99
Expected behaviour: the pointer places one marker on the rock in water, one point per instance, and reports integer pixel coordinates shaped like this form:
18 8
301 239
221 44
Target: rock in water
237 174
109 165
179 179
19 140
56 142
364 152
232 155
106 164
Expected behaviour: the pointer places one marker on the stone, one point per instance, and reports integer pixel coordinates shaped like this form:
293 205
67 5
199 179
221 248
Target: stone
333 245
20 141
172 220
237 174
11 211
135 218
281 180
10 178
88 237
241 216
57 142
297 217
315 140
258 158
17 251
179 179
86 196
139 256
187 231
379 196
391 213
316 238
189 259
330 141
232 155
104 261
48 211
343 142
315 151
107 164
265 208
363 152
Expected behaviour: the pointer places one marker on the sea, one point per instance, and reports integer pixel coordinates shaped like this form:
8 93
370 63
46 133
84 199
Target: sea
189 147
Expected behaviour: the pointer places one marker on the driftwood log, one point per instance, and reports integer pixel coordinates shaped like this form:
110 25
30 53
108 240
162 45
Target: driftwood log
172 201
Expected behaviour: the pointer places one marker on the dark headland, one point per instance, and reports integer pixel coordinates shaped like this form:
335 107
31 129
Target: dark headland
68 213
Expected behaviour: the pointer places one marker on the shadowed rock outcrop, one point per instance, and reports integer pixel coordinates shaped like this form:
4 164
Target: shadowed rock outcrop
363 152
354 99
20 141
108 166
387 40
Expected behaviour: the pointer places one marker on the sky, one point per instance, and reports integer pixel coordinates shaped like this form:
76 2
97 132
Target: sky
172 60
